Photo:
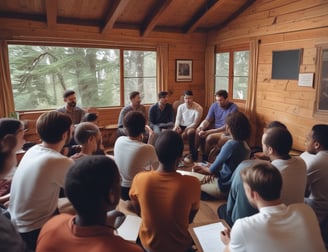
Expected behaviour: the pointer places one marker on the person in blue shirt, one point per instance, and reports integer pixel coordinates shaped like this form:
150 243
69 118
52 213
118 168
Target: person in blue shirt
212 129
218 182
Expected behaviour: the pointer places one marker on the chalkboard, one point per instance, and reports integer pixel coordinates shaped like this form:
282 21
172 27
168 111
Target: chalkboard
286 64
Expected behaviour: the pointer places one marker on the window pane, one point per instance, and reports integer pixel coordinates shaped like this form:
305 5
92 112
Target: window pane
40 74
140 75
222 83
323 100
240 85
240 80
222 64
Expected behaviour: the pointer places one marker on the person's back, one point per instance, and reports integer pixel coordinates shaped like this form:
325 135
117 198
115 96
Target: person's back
277 143
293 172
39 177
276 227
279 228
92 185
167 200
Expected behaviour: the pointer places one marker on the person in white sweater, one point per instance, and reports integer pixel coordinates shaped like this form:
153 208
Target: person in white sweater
187 119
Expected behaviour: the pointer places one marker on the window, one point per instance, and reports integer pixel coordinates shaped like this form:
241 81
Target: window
231 73
40 74
322 82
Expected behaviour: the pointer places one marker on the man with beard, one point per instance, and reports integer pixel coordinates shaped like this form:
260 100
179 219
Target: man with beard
74 112
40 175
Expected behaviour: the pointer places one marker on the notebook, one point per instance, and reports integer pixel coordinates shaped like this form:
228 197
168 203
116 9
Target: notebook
129 229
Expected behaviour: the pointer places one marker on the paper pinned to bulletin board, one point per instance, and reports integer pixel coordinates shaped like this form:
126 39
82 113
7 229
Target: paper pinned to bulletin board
305 79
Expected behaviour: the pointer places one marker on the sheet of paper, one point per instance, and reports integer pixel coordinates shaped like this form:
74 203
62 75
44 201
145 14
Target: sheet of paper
130 228
194 174
209 237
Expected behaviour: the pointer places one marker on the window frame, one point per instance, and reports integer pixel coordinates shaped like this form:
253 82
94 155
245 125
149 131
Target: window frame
120 47
231 50
320 114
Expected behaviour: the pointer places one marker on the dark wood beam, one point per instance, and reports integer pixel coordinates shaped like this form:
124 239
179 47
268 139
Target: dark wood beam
234 15
155 15
51 8
114 13
201 14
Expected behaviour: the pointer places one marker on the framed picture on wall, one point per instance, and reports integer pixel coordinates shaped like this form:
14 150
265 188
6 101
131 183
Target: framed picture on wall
183 70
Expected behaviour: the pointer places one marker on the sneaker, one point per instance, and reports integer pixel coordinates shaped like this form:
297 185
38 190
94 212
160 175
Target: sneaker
188 159
181 164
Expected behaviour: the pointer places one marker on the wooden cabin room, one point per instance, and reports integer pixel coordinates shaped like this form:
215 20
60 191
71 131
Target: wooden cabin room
270 55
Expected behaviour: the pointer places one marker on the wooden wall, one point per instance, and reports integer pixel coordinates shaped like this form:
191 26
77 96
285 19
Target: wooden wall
282 25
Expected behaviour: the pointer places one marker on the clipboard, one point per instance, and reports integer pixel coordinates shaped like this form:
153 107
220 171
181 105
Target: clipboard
206 236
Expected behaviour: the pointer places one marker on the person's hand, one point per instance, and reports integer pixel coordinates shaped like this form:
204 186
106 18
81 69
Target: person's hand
177 129
207 179
225 236
202 133
150 131
201 169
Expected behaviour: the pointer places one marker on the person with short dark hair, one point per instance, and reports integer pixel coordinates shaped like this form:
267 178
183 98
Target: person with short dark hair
40 175
187 119
161 114
276 227
166 200
90 117
135 105
218 182
316 159
93 187
10 240
131 154
211 130
75 112
276 143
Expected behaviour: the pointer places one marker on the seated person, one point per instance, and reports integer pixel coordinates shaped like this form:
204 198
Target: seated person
88 136
10 239
187 119
316 159
276 227
131 154
218 182
135 105
211 131
166 200
161 114
93 187
39 176
276 144
16 128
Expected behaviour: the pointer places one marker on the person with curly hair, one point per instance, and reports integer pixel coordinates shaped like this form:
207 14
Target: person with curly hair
217 183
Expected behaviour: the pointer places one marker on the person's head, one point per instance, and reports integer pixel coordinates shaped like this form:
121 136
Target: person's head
263 179
93 185
188 97
273 124
221 98
90 117
53 127
163 97
317 139
134 122
238 126
169 147
87 133
8 160
14 127
70 98
277 141
135 98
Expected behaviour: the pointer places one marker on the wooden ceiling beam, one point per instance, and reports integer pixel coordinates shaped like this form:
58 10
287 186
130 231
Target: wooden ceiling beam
51 8
197 18
114 13
156 13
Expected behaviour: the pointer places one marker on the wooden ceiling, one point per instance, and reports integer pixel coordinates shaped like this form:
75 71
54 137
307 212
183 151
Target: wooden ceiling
146 16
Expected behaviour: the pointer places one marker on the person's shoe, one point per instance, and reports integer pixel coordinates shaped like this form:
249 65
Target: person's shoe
188 159
181 164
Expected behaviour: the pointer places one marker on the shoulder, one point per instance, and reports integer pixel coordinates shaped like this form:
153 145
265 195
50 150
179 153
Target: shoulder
197 106
61 109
